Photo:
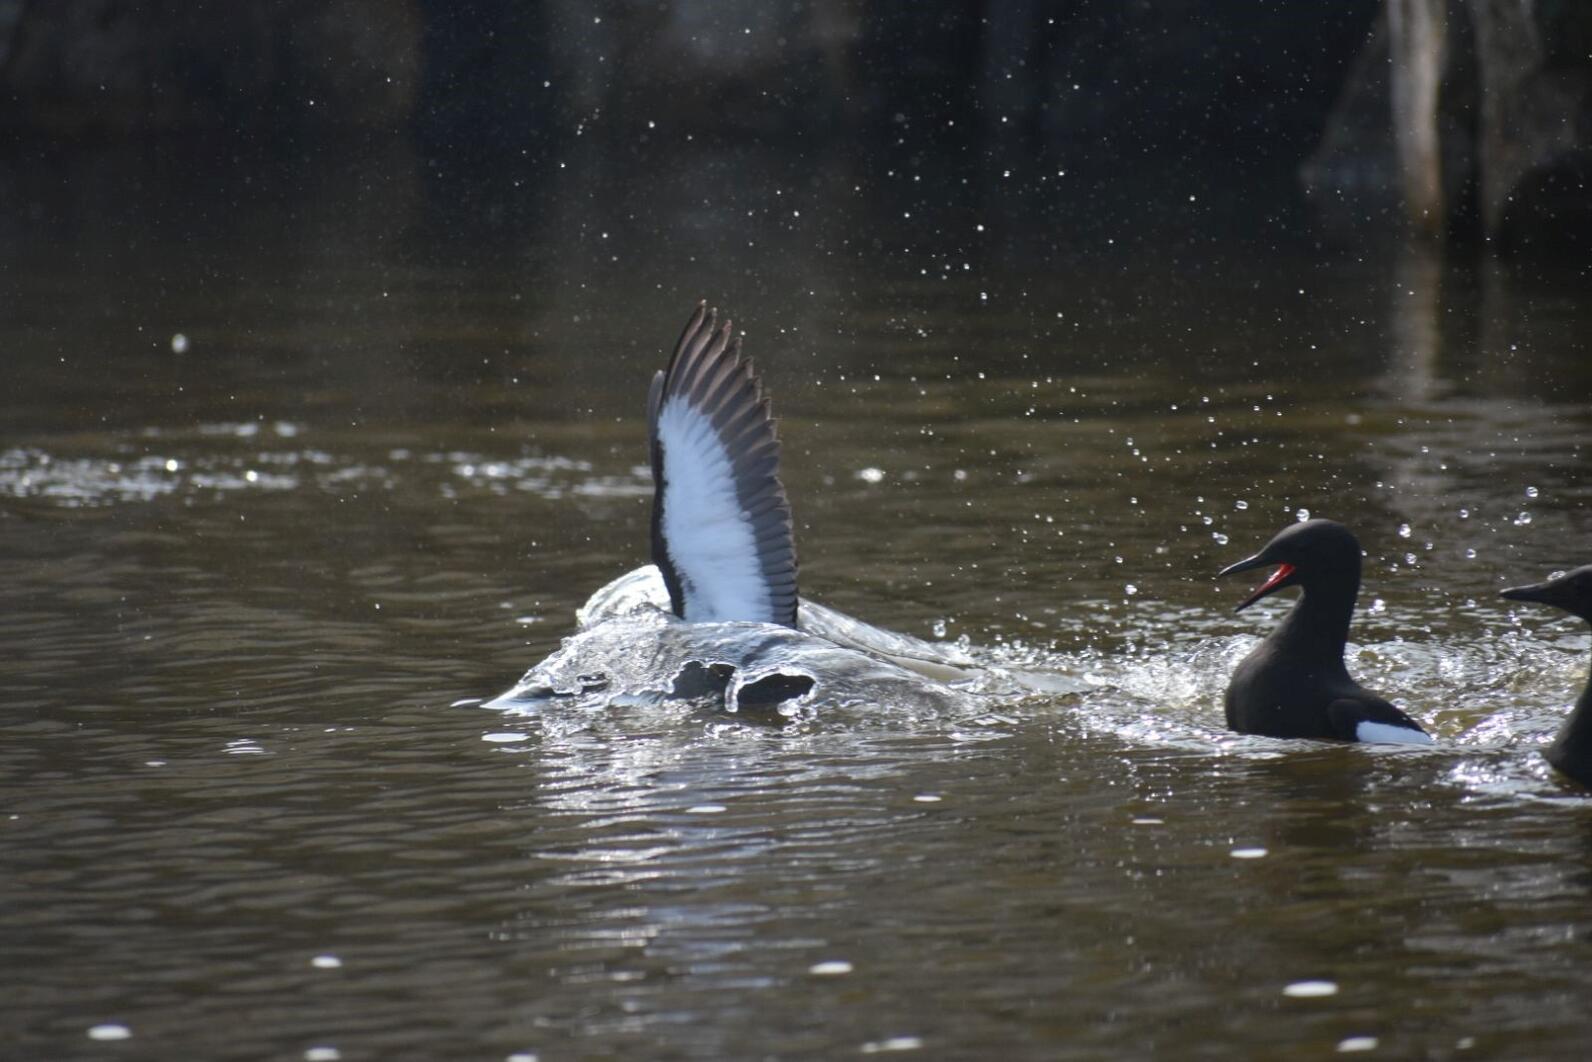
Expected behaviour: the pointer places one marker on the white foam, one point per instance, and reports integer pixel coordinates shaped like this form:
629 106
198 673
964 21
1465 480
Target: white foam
708 536
1388 734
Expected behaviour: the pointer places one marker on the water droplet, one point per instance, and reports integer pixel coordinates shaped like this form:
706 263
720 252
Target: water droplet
830 968
1531 492
1523 519
1221 539
1356 1043
1302 515
1130 589
1311 989
179 344
894 1043
1404 530
871 475
110 1031
1470 554
1240 504
326 962
1248 853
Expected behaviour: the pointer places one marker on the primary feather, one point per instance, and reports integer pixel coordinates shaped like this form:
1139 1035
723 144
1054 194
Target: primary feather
721 526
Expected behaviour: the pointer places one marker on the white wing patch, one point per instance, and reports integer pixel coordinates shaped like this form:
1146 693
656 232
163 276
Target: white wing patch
708 536
1388 734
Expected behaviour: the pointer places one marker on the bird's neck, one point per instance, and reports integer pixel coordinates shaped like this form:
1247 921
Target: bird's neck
1575 736
1318 625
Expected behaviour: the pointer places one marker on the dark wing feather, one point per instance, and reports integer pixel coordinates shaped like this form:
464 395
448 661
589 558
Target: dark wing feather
707 371
1346 714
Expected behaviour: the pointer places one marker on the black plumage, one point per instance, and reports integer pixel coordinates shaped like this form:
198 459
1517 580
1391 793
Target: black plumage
1294 684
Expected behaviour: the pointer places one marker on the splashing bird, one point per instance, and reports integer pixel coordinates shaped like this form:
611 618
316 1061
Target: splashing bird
724 571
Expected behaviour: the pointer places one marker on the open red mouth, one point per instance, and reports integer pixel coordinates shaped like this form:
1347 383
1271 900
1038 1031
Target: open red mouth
1278 579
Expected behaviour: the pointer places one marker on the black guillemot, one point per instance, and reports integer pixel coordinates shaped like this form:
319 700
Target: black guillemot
724 571
1294 684
1571 749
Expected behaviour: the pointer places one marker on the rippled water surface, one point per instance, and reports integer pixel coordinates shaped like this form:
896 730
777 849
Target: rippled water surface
297 469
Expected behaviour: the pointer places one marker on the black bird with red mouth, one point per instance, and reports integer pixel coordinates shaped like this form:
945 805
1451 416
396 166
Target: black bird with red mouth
1571 750
1294 684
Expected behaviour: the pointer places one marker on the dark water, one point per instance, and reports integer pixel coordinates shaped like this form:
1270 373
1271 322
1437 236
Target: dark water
252 572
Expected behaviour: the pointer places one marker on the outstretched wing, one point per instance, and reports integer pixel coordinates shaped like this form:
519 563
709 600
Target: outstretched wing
721 525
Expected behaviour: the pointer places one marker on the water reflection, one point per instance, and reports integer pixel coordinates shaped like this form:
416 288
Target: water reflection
1415 336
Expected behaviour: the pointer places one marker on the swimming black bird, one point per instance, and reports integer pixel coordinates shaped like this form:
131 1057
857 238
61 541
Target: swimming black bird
1294 684
1571 750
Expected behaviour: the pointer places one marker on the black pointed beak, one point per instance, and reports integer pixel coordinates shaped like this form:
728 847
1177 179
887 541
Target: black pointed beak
1542 593
1280 578
1247 564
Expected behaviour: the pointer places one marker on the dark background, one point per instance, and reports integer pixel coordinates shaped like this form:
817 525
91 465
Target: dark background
1292 93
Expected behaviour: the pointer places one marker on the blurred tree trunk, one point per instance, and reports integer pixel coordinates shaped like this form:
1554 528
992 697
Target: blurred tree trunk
1536 112
1487 97
1418 43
